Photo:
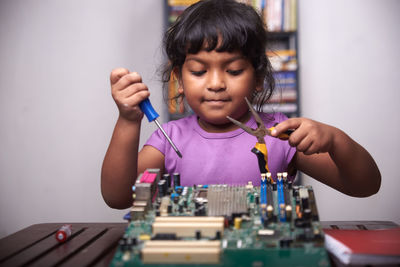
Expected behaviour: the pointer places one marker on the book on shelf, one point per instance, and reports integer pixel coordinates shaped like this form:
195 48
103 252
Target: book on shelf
282 60
277 14
176 7
364 247
181 2
285 87
280 15
287 108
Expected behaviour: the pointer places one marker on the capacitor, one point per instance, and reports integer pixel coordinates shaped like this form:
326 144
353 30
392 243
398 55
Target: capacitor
237 223
285 176
167 178
177 179
63 233
270 211
218 235
161 191
288 212
304 203
198 234
269 177
307 214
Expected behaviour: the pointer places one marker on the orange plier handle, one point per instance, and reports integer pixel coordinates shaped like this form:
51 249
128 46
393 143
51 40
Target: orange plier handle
260 149
283 136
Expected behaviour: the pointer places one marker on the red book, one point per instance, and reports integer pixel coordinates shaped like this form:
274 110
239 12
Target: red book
364 246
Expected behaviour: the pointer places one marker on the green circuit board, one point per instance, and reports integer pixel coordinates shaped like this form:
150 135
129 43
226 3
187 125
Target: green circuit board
219 225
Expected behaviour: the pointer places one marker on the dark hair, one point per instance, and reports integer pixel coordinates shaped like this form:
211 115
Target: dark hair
239 27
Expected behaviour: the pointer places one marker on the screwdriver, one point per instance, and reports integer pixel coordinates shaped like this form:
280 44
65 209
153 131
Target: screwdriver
152 115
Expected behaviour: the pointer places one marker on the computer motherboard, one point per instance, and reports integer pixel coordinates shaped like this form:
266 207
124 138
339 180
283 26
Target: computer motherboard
274 224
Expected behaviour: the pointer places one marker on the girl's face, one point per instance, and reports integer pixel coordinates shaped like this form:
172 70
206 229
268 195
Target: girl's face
215 85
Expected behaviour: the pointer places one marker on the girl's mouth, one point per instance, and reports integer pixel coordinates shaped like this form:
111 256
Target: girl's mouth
216 100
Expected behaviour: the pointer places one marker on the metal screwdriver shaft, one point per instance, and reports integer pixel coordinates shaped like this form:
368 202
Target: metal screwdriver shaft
152 115
169 139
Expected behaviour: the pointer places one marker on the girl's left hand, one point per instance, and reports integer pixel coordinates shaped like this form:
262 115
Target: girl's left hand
309 136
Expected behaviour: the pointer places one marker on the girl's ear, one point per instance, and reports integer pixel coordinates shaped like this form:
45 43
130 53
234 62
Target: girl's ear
259 87
177 76
180 87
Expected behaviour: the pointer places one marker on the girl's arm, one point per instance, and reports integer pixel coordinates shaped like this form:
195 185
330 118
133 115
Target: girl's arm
122 162
332 157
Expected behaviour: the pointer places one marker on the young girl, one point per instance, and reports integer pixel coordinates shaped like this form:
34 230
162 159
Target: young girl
216 49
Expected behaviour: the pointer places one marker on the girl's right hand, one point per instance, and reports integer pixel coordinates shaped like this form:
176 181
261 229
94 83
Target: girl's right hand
128 91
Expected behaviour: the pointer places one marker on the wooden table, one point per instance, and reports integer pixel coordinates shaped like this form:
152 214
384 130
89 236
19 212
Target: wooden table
91 244
94 244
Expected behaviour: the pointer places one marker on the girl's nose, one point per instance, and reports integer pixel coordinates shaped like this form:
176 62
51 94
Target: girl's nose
216 81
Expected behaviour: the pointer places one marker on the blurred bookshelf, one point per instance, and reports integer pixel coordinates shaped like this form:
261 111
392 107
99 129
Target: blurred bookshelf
280 17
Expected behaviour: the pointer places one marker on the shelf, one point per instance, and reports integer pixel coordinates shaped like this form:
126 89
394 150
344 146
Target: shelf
280 35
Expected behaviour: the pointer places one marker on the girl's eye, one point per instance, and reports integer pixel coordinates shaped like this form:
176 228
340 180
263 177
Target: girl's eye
235 72
198 73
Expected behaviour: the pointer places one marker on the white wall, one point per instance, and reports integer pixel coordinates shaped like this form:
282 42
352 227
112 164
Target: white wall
56 109
57 114
350 63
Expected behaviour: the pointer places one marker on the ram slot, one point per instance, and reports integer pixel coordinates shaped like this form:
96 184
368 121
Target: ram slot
182 251
183 227
270 198
263 192
180 219
288 202
281 199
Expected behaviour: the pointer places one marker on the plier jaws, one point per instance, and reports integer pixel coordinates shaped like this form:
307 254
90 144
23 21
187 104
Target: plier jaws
261 131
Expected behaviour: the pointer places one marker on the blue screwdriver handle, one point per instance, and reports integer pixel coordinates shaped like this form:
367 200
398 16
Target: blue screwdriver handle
148 110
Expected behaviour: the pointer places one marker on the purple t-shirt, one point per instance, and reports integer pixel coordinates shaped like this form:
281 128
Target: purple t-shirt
219 158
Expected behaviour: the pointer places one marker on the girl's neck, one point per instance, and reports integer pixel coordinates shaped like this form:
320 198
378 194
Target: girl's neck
222 128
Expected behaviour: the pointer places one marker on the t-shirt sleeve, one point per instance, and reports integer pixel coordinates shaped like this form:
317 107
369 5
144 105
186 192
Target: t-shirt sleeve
157 140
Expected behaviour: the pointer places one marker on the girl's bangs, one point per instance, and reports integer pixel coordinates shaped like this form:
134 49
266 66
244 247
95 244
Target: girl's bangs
210 38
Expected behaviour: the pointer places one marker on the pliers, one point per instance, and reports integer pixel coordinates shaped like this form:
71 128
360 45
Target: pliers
260 149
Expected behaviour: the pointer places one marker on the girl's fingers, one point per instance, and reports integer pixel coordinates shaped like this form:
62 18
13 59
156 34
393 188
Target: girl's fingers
116 74
297 137
305 145
135 99
126 80
314 148
133 89
289 124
